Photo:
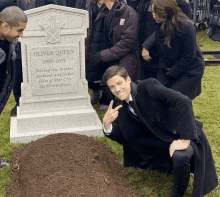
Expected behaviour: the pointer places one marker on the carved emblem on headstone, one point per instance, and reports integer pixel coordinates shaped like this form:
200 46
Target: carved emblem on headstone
52 29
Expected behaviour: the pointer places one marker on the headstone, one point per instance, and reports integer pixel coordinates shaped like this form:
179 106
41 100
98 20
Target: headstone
54 92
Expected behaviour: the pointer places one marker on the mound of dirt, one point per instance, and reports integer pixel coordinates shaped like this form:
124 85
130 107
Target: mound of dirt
67 165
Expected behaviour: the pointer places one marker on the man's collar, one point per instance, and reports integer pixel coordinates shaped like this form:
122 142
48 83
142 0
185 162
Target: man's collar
129 98
133 92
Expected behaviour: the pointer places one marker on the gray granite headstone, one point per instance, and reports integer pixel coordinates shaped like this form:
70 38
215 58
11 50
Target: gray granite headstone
54 92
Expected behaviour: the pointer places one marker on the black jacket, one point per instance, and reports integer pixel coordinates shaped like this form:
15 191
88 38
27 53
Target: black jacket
123 35
121 45
7 72
6 3
147 27
185 7
169 116
97 41
40 3
61 2
182 65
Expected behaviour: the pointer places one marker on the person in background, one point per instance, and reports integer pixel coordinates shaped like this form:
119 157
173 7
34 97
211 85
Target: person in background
12 24
146 28
93 74
181 62
158 131
113 40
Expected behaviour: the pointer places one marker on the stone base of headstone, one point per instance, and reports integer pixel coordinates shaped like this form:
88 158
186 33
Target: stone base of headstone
52 124
36 120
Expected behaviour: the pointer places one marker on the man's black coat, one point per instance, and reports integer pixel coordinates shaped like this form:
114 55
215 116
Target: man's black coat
169 116
182 65
7 72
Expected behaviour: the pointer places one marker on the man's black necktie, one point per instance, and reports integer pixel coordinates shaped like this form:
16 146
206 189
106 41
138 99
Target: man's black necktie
131 103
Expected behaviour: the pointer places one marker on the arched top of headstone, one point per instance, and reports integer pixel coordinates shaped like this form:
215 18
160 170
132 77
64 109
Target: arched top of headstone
54 20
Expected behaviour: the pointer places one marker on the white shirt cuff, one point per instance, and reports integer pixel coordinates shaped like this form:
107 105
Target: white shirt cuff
107 131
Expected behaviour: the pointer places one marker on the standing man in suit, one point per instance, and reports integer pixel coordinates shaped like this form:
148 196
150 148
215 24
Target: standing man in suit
12 24
157 129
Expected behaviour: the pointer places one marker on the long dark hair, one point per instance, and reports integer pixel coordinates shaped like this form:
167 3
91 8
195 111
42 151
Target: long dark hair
169 10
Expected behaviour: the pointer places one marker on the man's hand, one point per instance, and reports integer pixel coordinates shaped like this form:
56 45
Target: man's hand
145 54
110 115
178 145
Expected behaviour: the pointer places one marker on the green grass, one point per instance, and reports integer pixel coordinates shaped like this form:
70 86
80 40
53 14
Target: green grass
152 184
5 146
207 44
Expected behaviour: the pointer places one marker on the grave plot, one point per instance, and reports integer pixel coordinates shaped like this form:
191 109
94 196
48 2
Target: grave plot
67 165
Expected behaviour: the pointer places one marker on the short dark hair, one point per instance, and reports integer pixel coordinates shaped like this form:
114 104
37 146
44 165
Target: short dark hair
114 70
13 15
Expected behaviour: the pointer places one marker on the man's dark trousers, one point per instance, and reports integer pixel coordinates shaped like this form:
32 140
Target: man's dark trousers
138 152
18 80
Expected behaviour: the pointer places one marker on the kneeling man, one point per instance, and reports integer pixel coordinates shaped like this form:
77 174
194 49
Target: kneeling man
158 131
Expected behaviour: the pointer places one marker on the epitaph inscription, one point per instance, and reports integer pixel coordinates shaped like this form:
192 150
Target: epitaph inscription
54 69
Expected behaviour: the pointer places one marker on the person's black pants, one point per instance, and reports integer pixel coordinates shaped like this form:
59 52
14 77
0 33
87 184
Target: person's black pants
181 169
18 80
107 96
180 161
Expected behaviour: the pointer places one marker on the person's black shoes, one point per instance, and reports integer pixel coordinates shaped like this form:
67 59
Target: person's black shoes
4 163
14 110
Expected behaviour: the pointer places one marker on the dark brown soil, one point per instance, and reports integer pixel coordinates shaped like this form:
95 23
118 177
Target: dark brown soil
67 165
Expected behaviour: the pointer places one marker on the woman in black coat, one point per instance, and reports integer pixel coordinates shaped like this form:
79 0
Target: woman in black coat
180 60
147 27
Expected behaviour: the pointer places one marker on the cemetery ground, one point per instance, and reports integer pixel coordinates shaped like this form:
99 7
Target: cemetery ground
101 167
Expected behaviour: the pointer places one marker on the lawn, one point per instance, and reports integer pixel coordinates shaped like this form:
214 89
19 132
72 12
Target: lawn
206 109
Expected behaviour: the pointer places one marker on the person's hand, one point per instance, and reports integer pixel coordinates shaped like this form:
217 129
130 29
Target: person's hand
95 58
178 145
110 115
145 54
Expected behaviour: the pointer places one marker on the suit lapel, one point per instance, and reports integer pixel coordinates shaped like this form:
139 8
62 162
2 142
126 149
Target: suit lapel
123 121
134 96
